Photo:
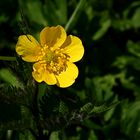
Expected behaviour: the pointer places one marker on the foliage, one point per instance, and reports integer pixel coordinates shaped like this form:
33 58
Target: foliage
104 102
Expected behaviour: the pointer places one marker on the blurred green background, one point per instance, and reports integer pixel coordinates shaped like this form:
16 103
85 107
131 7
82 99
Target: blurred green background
108 73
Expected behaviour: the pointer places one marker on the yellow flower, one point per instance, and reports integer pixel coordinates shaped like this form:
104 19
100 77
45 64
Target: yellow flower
53 56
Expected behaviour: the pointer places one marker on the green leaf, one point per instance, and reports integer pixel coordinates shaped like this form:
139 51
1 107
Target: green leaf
109 114
134 48
26 135
92 136
123 61
91 125
104 107
86 108
55 12
104 27
136 18
103 87
63 108
33 10
54 136
130 119
7 76
121 24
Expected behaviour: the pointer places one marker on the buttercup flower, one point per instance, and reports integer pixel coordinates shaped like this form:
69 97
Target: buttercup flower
53 56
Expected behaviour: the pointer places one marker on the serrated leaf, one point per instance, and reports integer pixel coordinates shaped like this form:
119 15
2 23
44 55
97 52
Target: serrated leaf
86 108
63 108
102 108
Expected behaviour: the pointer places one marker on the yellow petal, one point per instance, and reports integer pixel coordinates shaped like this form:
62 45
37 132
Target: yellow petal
74 48
28 48
67 78
38 71
49 78
41 74
53 36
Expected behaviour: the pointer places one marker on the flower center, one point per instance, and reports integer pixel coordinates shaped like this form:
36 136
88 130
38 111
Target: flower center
55 60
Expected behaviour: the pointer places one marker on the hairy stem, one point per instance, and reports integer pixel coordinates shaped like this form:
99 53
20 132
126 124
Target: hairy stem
35 111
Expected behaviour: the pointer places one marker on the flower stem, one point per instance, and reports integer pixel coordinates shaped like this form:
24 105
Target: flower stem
36 114
7 58
75 15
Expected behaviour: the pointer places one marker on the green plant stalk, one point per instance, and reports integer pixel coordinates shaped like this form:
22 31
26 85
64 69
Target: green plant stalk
7 58
75 14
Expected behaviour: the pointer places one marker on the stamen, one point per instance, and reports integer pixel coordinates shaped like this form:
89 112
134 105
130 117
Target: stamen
55 60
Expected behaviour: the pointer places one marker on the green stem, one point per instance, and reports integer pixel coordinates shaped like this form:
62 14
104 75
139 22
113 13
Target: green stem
7 58
75 14
35 111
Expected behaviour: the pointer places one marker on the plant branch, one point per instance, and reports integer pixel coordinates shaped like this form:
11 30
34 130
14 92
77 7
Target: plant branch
7 58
